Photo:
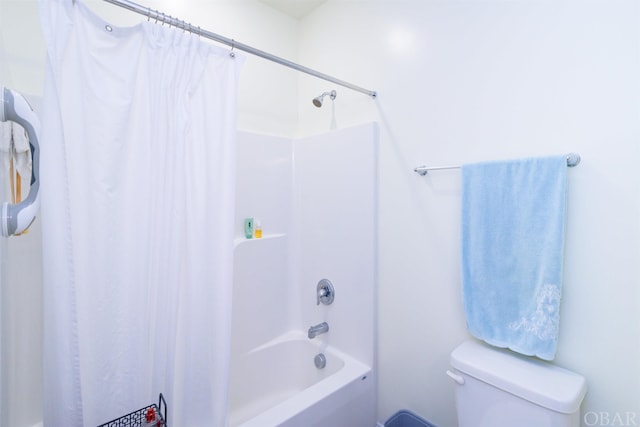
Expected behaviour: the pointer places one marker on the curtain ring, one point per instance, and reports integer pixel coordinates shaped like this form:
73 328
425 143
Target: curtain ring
157 15
232 53
148 14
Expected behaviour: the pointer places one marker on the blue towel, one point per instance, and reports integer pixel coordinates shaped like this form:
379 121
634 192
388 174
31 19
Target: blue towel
513 216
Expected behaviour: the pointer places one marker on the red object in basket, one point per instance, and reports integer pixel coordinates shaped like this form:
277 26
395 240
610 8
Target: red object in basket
150 415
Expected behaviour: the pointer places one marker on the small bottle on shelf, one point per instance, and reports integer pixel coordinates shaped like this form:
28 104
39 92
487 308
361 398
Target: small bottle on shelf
257 225
248 228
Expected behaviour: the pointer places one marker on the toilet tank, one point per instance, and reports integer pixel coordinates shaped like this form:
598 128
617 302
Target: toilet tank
499 388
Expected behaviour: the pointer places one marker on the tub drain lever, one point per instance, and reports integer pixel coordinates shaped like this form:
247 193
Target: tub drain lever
320 361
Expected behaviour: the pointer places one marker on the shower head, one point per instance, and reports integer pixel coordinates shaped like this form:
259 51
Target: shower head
317 101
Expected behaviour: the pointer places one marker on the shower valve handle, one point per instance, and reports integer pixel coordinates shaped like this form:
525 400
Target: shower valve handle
325 292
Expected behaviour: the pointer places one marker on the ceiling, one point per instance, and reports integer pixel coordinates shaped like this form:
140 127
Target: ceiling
294 8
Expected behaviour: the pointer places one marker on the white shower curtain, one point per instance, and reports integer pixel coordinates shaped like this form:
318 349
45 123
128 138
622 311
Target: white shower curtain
138 172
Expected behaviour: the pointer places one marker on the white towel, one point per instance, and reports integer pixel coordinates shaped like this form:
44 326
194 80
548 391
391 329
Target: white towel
6 141
14 145
14 135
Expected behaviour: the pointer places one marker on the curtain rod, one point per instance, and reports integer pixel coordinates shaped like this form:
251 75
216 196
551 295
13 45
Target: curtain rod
158 16
572 160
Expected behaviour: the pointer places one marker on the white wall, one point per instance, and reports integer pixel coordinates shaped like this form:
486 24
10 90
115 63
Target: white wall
465 81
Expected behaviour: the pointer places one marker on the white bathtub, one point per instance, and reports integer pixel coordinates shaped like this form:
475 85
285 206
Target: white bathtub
277 384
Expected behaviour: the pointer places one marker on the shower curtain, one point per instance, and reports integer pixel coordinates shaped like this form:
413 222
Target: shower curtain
138 175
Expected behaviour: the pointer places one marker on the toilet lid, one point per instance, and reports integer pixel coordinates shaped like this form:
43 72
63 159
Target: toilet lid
529 378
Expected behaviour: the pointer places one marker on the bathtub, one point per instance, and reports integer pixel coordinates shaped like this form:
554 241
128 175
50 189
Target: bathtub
277 384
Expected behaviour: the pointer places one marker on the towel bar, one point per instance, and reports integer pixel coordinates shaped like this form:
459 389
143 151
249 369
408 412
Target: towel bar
573 159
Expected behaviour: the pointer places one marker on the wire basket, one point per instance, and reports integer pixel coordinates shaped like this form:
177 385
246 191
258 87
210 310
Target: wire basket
149 416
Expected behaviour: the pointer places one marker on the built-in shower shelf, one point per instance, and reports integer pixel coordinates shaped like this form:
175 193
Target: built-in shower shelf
270 236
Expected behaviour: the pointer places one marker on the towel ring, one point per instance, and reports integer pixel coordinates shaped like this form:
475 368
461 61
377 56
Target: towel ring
15 108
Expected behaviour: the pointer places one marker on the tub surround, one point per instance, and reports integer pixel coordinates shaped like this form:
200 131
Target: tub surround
315 198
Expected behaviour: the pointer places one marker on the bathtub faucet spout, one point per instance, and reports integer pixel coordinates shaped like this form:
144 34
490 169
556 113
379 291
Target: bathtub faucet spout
321 328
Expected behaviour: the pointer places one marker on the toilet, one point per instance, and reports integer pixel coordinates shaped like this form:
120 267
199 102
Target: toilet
499 388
